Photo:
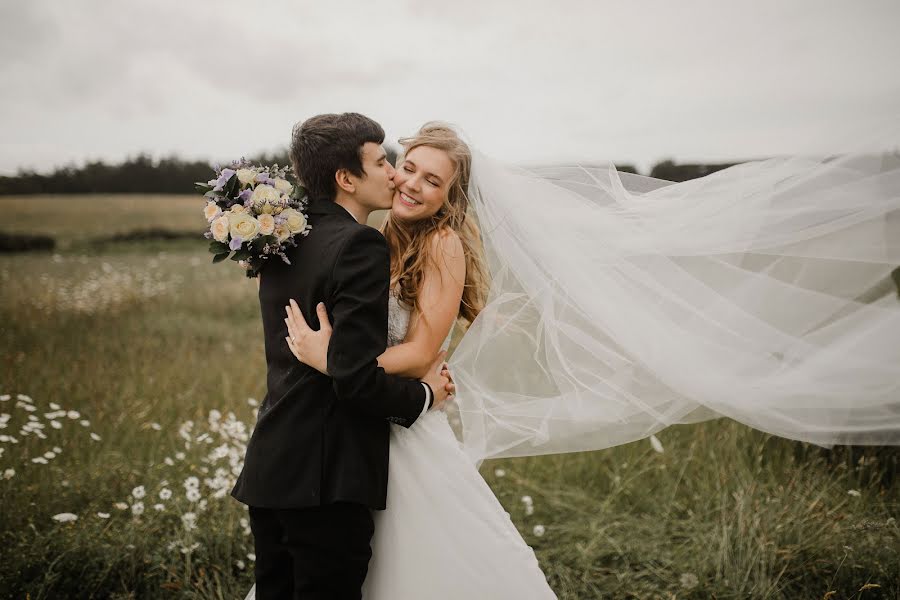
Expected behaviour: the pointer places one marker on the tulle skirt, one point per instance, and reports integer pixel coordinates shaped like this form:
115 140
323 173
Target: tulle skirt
444 533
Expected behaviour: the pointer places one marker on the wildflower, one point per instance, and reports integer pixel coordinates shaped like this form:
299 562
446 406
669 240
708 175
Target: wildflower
65 517
190 549
85 423
526 500
165 494
39 460
73 414
55 424
179 455
656 444
529 510
499 472
155 426
192 494
539 530
4 398
854 493
688 580
137 509
240 565
54 406
95 437
169 461
138 492
57 449
159 507
189 520
191 482
49 455
9 473
252 402
103 515
121 505
251 557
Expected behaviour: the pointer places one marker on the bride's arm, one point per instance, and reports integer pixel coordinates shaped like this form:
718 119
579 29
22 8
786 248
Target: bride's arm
439 299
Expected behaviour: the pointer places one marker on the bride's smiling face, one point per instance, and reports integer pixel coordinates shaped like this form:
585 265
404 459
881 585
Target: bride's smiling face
421 183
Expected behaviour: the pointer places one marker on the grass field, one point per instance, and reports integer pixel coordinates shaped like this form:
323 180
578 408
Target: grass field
149 360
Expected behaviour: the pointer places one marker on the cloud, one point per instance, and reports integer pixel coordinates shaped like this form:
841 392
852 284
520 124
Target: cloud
527 80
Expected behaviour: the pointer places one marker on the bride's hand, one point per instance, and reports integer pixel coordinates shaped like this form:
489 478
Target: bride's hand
309 346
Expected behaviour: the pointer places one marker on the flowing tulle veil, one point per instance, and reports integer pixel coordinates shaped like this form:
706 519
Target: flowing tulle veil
621 304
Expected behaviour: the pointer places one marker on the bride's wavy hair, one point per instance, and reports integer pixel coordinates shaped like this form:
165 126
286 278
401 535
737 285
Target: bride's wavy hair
411 242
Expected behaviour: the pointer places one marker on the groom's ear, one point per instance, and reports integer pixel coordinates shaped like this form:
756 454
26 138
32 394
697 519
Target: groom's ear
344 181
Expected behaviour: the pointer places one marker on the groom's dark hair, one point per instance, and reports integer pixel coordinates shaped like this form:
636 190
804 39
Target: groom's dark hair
324 144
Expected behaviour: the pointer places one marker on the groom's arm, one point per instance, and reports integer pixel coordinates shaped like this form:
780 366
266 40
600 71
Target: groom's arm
361 279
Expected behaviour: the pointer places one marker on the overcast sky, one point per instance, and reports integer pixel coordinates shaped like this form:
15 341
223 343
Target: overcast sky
530 82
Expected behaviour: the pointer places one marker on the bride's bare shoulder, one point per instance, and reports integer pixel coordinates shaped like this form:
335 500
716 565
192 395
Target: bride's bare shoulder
447 242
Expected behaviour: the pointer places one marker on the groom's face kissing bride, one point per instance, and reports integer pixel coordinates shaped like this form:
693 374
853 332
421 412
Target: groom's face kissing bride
371 187
375 189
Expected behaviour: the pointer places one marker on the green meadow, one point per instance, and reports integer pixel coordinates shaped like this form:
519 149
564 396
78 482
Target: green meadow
130 375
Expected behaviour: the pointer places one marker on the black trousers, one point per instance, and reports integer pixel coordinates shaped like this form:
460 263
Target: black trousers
312 553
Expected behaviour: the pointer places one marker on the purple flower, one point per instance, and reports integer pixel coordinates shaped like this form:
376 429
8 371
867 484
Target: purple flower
245 195
235 243
223 179
263 178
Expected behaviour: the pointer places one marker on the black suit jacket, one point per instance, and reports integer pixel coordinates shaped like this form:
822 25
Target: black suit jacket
321 439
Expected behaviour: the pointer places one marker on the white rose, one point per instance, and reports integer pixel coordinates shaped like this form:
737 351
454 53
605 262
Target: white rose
266 224
296 222
220 229
264 194
282 232
243 226
238 208
211 211
246 176
283 185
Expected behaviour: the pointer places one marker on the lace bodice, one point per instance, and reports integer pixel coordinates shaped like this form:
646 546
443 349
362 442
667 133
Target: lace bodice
398 322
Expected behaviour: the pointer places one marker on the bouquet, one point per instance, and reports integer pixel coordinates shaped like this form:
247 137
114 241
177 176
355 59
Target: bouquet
254 213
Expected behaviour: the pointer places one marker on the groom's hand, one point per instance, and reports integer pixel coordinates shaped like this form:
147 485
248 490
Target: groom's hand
437 381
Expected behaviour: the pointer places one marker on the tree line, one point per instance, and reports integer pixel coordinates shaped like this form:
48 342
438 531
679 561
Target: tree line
143 174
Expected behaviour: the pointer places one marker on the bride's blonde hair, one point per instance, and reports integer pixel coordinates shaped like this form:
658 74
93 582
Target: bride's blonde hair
410 242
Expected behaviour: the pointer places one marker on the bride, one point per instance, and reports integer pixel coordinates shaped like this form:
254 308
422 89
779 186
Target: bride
620 305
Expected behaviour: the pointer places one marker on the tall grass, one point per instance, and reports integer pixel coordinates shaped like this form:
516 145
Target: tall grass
141 338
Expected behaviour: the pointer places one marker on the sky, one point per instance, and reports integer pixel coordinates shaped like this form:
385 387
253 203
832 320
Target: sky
528 82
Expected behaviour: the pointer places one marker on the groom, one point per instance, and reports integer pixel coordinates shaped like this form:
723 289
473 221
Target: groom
317 462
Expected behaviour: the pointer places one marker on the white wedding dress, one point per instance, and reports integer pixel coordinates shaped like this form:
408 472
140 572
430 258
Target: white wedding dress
444 535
